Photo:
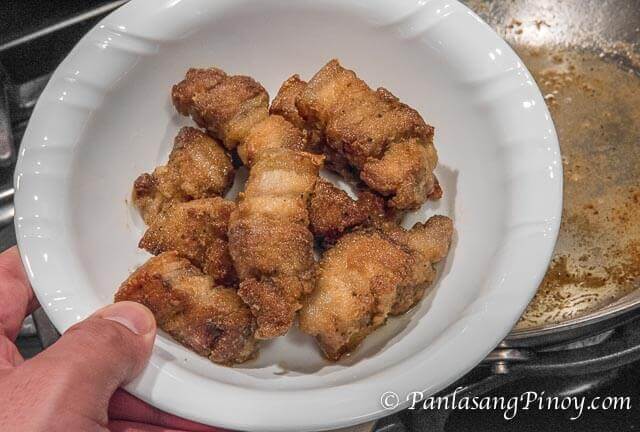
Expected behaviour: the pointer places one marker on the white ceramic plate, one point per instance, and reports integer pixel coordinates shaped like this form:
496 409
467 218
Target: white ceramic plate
106 116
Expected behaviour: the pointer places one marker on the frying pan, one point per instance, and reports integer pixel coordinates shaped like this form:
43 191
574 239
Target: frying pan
585 56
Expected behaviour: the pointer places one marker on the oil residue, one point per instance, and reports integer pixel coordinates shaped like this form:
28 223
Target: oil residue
589 73
595 106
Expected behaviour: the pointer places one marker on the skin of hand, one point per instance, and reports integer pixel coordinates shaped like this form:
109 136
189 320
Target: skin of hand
74 384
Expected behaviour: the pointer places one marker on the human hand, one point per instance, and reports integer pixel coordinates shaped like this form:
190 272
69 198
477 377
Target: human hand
73 385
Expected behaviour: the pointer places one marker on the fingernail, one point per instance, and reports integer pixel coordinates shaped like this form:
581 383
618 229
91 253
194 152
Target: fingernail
133 316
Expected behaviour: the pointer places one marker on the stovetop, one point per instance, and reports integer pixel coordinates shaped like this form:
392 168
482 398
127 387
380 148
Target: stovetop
46 31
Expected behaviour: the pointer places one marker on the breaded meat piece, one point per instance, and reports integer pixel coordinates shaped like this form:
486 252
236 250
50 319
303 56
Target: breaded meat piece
369 275
386 142
273 131
269 238
332 212
211 320
196 230
235 109
227 106
198 167
428 243
284 104
195 81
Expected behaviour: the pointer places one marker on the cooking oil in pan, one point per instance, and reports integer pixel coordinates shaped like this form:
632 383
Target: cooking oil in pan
585 56
595 105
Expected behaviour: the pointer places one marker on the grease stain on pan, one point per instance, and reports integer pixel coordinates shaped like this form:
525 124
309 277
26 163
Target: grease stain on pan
595 105
588 71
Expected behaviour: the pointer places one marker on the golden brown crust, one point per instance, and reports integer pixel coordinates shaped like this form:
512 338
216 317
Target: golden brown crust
274 131
369 275
197 230
211 320
269 239
227 106
201 166
198 167
355 289
147 198
370 129
196 81
428 243
274 302
332 212
284 104
263 246
400 173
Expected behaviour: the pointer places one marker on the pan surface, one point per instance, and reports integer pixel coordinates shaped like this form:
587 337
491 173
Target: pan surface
585 56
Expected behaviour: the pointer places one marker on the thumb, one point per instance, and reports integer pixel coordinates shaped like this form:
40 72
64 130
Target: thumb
94 357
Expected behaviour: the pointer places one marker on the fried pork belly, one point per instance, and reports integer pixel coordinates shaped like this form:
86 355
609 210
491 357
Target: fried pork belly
272 132
198 167
196 230
369 275
269 238
211 320
386 142
332 212
235 109
227 106
284 105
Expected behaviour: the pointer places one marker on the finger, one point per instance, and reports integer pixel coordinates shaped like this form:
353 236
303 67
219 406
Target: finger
9 355
124 406
16 297
125 426
94 357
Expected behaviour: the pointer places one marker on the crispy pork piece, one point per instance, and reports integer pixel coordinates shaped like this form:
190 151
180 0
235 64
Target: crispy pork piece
197 230
235 109
198 167
428 244
369 275
211 320
273 131
332 212
227 106
284 104
386 142
269 238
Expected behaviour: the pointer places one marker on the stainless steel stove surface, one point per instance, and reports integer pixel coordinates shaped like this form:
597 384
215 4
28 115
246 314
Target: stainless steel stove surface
603 365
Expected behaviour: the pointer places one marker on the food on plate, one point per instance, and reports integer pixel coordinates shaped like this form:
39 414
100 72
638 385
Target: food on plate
386 142
227 274
284 105
226 106
234 109
272 132
197 230
269 237
211 320
198 167
369 275
332 212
